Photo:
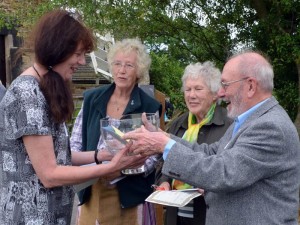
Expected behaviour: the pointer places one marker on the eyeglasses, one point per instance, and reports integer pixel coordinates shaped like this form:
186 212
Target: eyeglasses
226 84
119 65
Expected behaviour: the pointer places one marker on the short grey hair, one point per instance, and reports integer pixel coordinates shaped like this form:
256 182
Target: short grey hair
127 46
208 71
256 64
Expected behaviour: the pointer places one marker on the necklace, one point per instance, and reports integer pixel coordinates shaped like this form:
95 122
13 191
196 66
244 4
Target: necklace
117 105
36 71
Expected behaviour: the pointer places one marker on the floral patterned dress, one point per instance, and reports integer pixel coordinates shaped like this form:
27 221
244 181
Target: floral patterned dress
23 198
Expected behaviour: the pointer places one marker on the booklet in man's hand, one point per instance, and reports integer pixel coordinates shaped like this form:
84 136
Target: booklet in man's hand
176 198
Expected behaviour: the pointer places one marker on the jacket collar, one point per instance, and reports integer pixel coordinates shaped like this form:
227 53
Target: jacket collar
266 106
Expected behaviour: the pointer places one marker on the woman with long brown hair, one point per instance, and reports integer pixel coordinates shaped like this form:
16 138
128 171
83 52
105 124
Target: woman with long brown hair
36 173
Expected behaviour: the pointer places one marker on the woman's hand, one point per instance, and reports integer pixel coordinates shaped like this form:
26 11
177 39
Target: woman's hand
164 186
104 155
124 160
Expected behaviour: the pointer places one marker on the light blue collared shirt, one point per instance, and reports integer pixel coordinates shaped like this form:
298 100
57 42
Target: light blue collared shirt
168 146
241 118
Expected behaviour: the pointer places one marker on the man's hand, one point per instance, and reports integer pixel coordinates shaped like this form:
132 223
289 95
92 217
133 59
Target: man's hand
146 143
148 125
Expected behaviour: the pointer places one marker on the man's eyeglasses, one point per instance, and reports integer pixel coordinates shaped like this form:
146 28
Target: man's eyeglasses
226 84
119 65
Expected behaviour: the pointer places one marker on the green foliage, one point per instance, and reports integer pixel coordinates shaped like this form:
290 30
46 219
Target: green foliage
183 31
23 18
288 97
6 20
166 75
286 87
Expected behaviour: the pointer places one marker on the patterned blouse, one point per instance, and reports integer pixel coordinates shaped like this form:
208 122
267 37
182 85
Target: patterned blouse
23 198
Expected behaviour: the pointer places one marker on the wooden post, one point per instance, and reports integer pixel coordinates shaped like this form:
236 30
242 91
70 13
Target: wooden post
159 96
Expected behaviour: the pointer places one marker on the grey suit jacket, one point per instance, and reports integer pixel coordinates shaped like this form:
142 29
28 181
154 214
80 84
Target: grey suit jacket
251 179
2 91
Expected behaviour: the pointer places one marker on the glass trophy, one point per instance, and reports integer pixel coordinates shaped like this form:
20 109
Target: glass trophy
112 131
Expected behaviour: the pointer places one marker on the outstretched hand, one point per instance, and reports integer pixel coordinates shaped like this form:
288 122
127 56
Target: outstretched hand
105 155
146 143
123 159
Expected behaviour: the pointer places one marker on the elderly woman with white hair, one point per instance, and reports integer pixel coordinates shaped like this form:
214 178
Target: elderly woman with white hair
205 122
103 202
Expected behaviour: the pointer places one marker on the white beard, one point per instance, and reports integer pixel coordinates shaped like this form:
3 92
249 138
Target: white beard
237 106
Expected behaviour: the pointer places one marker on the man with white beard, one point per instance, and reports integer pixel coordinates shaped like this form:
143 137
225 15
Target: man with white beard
252 175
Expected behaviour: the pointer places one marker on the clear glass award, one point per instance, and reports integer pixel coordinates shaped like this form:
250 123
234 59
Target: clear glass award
112 131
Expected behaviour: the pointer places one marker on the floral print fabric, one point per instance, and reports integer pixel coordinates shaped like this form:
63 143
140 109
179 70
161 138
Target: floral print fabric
23 198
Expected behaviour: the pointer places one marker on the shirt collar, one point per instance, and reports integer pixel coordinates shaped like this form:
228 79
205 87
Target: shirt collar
241 118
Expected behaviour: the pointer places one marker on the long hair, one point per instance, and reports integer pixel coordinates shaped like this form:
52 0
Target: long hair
55 38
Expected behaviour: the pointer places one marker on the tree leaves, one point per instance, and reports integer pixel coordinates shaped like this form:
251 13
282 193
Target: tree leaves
185 31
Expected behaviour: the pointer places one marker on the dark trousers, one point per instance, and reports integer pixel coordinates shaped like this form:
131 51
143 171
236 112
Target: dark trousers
184 220
171 217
